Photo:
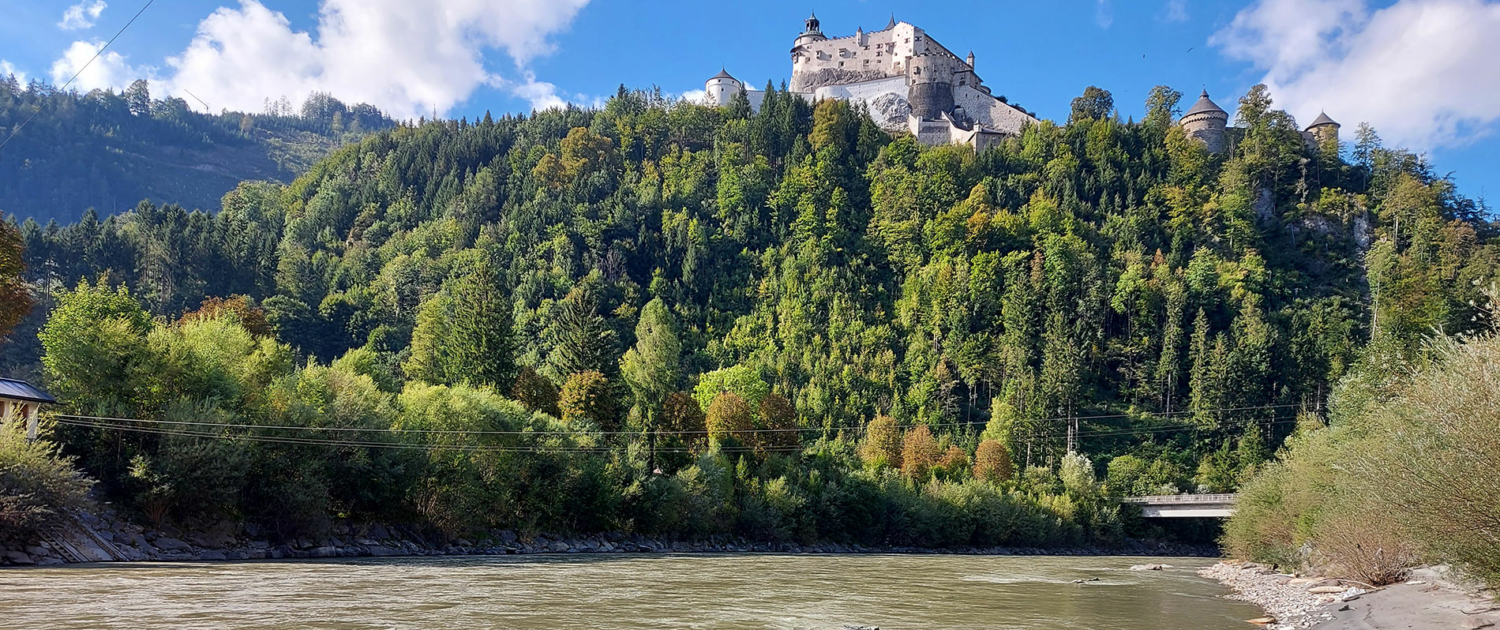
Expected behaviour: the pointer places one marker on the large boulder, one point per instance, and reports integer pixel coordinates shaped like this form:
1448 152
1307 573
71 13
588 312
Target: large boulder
167 543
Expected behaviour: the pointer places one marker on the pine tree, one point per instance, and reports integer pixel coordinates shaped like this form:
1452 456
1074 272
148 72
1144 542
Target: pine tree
463 334
581 339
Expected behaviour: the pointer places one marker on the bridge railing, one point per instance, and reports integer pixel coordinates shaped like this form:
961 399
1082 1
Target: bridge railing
1183 499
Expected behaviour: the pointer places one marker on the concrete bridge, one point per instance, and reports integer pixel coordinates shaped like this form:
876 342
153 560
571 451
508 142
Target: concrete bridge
1185 505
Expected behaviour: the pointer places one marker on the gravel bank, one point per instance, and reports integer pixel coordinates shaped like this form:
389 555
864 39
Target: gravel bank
1427 600
1286 598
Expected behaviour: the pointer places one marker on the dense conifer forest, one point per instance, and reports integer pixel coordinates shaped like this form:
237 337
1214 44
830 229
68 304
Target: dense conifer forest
786 325
106 150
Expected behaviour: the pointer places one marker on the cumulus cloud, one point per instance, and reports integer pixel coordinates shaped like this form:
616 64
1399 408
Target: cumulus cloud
8 69
408 58
1423 72
110 70
81 15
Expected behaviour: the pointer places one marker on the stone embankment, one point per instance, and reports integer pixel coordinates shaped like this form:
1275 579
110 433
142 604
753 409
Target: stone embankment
228 541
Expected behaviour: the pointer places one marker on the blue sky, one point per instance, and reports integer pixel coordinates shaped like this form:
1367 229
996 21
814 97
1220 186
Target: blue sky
1422 71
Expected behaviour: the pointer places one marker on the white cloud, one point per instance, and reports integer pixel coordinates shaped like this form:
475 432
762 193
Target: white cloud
693 96
9 69
1104 13
110 70
1177 11
81 15
1423 72
405 57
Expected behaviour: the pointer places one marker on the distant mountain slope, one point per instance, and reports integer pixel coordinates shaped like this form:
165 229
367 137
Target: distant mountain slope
108 151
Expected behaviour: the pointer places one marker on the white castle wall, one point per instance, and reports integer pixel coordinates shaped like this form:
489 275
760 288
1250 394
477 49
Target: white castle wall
882 53
885 98
879 71
989 111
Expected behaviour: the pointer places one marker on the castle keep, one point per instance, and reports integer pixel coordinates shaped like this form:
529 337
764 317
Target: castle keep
906 79
910 82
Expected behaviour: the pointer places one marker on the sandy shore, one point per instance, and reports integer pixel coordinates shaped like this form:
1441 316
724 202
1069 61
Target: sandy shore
1427 600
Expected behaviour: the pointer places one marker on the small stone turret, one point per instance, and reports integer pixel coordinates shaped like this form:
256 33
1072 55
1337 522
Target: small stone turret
1323 130
811 33
971 60
1206 122
721 88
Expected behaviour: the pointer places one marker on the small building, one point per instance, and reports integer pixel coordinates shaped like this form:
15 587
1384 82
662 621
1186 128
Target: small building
20 400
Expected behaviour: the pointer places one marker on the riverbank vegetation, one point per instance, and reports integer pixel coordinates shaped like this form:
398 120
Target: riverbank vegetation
1404 473
786 325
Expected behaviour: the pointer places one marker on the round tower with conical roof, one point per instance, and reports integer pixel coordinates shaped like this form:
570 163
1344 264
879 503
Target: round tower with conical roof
1324 130
1206 122
721 88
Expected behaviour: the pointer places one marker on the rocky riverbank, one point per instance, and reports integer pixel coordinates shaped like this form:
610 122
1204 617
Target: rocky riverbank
1429 599
224 540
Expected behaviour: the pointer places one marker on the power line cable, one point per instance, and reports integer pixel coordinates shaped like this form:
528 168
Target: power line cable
565 448
86 65
263 427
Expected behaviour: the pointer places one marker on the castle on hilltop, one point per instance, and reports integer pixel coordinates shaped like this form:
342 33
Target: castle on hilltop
910 82
906 79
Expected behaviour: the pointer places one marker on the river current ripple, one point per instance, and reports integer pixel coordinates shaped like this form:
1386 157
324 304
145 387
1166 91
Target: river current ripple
634 591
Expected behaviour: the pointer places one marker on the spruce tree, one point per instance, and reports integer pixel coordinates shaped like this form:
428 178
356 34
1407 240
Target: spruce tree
463 334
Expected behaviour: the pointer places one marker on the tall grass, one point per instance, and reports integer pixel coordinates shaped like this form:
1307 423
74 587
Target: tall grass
1408 471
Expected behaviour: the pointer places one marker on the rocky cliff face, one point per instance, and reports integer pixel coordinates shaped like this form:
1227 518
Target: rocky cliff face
890 111
809 81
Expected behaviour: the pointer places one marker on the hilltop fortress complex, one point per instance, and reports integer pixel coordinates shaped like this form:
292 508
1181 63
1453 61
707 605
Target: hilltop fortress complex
910 82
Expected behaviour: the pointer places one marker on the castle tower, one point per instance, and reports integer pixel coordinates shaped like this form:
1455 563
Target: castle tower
930 85
1206 122
809 34
721 88
1324 130
970 60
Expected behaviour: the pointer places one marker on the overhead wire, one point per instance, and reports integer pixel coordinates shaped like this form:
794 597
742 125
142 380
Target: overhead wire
139 427
17 131
266 427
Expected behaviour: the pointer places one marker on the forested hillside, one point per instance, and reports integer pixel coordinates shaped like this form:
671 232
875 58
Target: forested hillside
809 328
107 150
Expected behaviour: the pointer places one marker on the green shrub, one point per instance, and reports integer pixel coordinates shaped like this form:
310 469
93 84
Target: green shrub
37 486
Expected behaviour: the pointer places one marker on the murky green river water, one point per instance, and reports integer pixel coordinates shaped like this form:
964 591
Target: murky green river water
631 592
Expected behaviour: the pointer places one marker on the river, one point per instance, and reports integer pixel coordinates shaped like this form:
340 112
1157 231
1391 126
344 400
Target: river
626 591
